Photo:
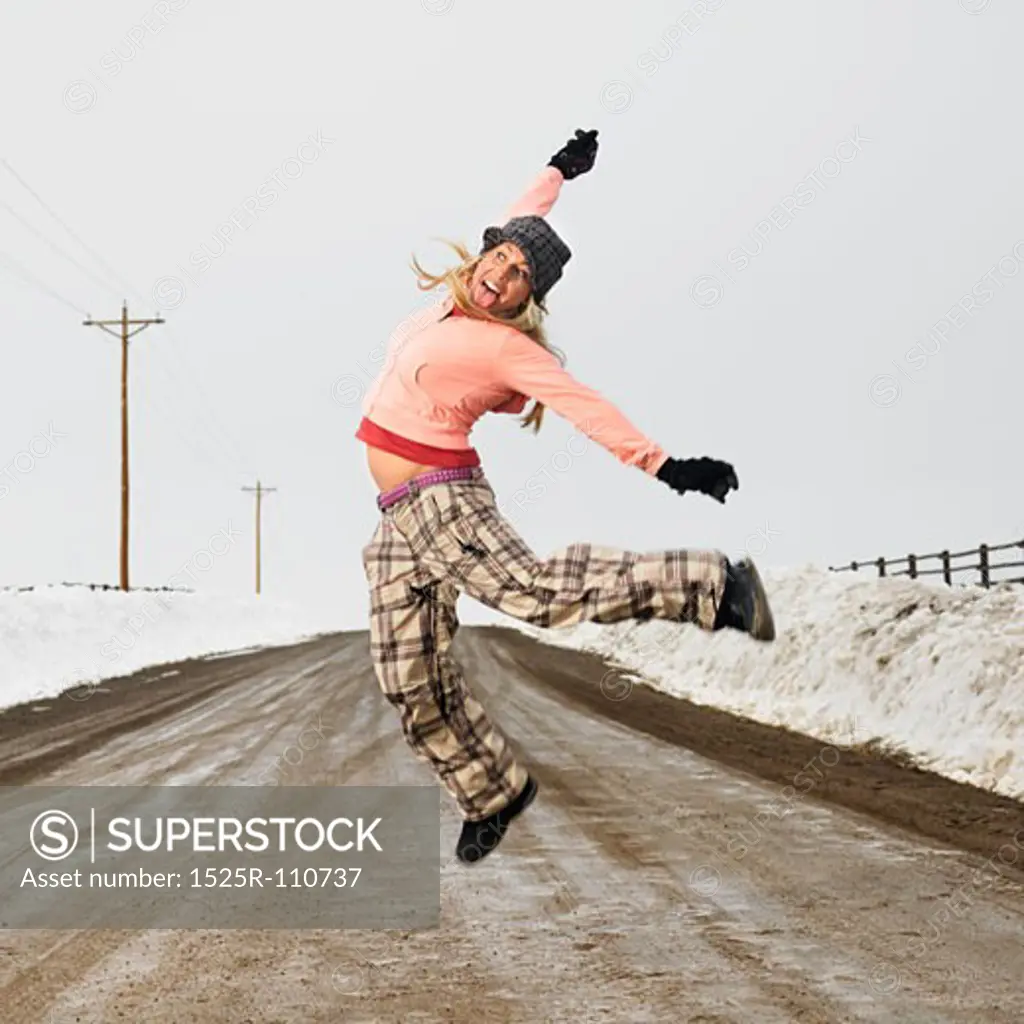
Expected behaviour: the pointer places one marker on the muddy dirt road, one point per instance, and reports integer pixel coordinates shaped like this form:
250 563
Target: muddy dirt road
678 865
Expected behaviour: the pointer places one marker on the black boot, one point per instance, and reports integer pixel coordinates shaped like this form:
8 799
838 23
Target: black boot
744 602
479 838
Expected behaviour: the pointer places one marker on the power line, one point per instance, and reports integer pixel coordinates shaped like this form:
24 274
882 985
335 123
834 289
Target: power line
227 460
216 427
14 267
56 248
92 252
171 424
220 432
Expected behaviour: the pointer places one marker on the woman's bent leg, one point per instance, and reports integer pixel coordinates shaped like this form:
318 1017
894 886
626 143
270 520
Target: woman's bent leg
466 540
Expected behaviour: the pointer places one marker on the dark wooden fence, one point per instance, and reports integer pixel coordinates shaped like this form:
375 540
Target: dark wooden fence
94 586
986 572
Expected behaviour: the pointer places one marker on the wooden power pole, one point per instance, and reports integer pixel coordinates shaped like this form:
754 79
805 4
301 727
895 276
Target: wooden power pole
259 490
140 325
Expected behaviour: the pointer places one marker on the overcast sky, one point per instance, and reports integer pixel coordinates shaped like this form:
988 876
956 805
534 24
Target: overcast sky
801 250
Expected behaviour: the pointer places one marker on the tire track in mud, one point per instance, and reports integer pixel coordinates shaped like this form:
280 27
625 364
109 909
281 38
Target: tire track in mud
71 743
579 787
615 891
883 788
779 869
36 743
548 723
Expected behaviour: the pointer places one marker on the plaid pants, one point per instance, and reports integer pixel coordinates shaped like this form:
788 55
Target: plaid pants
449 538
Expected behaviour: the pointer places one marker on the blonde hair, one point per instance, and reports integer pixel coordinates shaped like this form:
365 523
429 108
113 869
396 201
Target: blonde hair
529 318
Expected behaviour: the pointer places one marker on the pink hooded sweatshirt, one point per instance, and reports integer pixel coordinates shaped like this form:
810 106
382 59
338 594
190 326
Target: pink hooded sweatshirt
441 375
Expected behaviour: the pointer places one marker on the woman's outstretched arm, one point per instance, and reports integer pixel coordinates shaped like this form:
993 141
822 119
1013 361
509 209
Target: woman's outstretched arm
527 368
576 157
532 370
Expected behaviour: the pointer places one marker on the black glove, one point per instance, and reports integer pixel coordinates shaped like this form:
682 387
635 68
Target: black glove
709 476
577 155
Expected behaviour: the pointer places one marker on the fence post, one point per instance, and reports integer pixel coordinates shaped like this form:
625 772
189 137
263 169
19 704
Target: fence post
945 569
983 566
912 566
881 566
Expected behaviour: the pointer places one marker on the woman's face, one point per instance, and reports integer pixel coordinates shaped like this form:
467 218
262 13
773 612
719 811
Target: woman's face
501 281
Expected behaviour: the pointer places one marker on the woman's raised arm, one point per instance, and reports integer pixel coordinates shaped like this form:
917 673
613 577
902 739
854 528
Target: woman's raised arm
576 157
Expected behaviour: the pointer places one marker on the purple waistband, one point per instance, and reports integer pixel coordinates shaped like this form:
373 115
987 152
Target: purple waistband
413 486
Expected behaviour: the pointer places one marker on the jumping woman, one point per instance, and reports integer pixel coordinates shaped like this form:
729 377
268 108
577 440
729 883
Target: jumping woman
482 348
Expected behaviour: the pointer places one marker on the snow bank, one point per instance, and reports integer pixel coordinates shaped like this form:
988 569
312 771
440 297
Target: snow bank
54 638
919 668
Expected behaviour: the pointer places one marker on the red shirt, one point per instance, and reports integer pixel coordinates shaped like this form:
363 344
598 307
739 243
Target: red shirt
445 458
427 455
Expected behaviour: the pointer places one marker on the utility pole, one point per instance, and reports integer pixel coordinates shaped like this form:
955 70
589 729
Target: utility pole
259 490
140 325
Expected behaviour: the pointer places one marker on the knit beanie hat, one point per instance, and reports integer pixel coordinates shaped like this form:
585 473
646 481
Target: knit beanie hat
545 252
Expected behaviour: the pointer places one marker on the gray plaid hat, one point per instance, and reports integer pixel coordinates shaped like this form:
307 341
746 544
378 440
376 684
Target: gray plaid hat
545 252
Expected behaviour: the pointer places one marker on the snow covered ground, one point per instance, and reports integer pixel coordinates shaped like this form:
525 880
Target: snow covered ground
933 672
54 638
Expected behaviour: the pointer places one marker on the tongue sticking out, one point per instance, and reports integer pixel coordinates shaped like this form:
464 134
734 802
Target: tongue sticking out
485 298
